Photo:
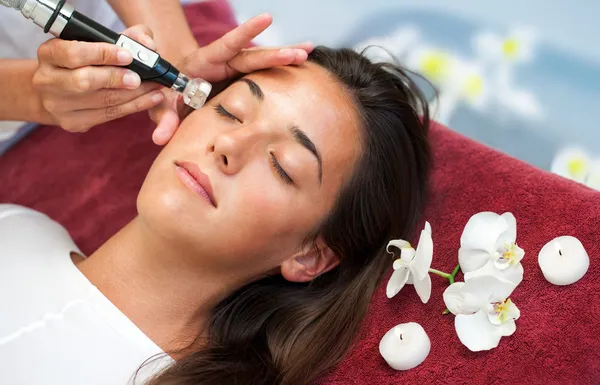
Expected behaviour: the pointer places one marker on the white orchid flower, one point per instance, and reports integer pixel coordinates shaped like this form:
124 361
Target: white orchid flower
592 179
434 63
397 43
516 46
488 247
577 164
413 265
458 79
484 313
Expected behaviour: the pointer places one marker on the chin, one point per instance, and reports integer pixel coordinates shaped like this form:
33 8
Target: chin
165 209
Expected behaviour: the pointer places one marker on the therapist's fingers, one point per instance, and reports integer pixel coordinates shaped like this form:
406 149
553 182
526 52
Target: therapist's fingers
306 46
101 99
142 34
167 125
249 61
86 79
167 117
75 54
83 120
225 48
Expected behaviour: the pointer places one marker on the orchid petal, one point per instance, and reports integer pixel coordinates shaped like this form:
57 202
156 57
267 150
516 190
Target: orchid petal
511 255
399 243
427 227
409 281
397 281
508 328
512 310
482 230
407 254
501 312
471 259
488 288
423 287
510 234
512 274
399 264
476 332
460 302
423 256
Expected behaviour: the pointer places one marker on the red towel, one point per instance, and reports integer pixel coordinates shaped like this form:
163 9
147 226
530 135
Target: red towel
89 183
555 342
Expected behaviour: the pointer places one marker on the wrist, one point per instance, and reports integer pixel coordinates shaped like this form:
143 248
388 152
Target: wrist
40 114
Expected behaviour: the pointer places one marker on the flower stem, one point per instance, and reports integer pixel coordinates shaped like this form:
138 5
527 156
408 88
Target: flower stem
450 277
440 273
453 274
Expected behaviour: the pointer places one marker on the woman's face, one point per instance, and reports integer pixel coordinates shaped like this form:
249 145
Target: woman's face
276 148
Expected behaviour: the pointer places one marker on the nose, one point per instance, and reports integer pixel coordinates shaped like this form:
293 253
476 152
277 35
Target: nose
232 149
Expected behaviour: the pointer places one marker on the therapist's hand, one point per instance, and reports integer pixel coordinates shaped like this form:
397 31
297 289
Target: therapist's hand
81 84
219 61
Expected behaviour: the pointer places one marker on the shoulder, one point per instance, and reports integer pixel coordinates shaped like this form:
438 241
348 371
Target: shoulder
23 229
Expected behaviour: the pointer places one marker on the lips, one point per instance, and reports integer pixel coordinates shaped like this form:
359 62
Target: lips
191 175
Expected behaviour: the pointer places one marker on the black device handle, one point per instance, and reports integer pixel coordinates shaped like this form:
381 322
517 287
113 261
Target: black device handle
82 28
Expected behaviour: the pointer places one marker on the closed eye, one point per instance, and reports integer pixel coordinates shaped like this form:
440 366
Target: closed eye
223 112
282 174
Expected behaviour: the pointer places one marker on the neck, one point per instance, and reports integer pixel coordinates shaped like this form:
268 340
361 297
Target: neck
151 281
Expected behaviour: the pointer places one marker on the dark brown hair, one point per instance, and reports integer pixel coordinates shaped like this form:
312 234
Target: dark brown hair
276 332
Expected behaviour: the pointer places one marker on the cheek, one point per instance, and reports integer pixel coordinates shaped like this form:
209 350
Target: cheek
269 215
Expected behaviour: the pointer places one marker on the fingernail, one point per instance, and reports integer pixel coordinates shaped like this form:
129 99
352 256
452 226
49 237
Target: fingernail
157 97
131 79
287 51
124 56
301 54
310 44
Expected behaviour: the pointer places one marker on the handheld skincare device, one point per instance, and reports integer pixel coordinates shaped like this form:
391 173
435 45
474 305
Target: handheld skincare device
64 22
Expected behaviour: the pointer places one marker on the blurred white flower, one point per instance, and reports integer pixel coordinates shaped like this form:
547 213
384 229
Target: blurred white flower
469 81
434 63
457 79
488 247
398 43
413 265
484 313
592 179
573 163
522 102
516 46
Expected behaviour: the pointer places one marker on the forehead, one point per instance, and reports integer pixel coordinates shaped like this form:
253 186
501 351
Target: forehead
307 96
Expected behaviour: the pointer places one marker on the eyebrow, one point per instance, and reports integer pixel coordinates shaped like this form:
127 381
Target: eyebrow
254 88
298 134
305 141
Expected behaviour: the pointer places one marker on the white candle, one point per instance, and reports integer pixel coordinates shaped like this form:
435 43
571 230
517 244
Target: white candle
563 260
405 346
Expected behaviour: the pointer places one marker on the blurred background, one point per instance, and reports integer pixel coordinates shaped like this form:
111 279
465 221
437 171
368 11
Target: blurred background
520 76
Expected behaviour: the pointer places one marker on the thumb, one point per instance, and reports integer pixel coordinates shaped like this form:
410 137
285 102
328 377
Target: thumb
167 125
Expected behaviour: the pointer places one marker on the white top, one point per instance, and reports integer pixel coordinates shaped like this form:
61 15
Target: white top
56 328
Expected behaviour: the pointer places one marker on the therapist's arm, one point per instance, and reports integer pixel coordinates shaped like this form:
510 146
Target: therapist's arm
165 18
19 100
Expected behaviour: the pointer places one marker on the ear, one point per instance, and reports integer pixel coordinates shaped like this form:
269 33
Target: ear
309 264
